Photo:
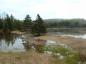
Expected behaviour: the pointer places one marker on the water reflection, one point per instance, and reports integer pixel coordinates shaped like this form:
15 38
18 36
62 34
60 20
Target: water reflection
11 43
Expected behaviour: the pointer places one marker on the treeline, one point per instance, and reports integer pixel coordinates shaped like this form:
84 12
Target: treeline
72 23
36 27
9 23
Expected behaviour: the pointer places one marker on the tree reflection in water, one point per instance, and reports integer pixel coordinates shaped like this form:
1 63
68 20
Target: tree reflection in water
11 42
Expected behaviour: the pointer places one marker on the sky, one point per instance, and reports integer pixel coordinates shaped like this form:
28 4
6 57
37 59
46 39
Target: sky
48 9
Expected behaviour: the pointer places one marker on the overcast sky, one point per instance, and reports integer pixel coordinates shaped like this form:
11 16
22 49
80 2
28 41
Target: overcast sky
46 8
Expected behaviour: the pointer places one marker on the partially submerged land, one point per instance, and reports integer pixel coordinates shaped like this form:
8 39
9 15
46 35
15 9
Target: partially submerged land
76 44
42 54
31 56
75 41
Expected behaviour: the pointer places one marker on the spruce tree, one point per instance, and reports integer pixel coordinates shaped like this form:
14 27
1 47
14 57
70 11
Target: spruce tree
27 22
1 23
38 27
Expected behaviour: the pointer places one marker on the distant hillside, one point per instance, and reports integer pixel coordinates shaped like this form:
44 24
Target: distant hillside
53 20
82 21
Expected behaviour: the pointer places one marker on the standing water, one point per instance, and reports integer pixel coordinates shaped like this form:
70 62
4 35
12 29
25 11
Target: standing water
11 43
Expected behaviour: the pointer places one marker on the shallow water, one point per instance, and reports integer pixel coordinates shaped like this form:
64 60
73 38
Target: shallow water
76 36
11 43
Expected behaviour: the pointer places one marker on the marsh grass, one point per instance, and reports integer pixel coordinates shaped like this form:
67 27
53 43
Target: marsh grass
69 56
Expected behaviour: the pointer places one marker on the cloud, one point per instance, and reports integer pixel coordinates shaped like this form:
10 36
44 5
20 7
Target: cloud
46 8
